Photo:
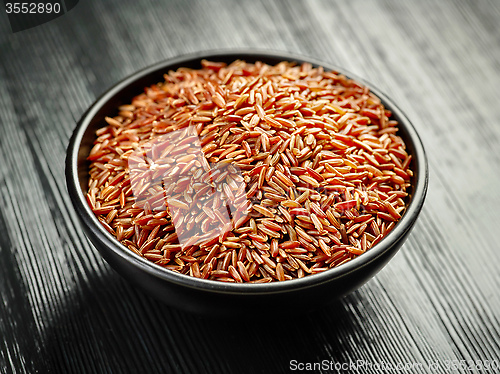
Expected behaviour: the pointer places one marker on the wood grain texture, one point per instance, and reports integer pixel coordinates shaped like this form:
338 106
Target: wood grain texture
63 309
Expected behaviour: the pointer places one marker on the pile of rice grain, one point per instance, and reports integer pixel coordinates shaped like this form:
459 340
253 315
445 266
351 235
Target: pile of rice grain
313 166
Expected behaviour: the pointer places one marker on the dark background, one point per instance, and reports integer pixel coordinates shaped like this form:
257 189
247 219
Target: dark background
63 309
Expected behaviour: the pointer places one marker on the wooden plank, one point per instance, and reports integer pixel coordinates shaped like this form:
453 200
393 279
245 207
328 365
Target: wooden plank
63 309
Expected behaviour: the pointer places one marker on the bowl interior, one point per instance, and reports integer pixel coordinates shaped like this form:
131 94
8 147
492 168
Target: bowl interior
123 92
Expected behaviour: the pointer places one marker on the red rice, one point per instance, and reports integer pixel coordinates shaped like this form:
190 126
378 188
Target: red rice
250 172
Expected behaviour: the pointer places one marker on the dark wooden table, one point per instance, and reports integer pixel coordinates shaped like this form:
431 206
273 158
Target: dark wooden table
63 309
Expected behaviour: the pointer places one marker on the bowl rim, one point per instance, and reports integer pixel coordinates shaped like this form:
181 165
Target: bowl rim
113 245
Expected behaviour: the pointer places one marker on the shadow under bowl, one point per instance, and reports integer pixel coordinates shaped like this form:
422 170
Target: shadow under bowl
220 298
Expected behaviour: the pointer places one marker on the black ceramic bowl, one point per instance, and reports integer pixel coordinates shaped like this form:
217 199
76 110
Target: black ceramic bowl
212 297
